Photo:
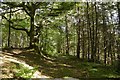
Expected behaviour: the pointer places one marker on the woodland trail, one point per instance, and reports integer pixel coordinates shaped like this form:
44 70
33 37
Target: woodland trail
48 68
62 67
6 60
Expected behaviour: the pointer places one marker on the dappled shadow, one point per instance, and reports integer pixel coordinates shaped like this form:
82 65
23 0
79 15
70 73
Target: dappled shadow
55 67
60 67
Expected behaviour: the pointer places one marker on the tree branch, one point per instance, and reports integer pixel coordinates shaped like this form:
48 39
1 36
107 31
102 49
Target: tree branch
10 12
23 29
26 11
37 5
13 4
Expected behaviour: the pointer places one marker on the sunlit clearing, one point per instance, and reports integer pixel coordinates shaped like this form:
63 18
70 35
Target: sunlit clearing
16 51
36 74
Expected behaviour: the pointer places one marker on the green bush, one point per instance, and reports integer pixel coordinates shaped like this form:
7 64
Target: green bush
25 72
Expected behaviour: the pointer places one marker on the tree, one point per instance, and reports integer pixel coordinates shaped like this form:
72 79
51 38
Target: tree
88 31
9 29
78 33
67 36
118 41
85 30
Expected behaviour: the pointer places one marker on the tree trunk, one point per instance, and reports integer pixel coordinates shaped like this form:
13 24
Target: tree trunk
88 31
67 36
16 43
118 41
104 34
96 31
78 36
83 42
78 43
31 31
9 30
92 37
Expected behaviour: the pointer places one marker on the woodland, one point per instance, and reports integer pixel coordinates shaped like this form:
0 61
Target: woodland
60 40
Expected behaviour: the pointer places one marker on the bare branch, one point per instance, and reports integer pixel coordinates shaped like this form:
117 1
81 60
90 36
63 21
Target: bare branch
10 12
12 4
23 29
25 8
37 4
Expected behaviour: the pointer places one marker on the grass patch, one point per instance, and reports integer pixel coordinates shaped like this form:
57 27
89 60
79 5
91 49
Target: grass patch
24 72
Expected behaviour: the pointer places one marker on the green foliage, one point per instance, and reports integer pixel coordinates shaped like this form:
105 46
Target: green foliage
25 72
99 70
99 36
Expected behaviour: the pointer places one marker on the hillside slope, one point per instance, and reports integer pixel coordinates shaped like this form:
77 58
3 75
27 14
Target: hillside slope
27 64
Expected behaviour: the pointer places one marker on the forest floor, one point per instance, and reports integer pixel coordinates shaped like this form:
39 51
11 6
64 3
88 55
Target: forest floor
27 64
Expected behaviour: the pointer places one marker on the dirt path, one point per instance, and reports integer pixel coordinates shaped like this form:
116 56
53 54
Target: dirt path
62 67
7 60
47 68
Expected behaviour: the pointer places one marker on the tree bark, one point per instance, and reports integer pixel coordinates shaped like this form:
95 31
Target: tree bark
9 30
78 35
31 31
88 32
67 36
104 34
96 31
83 42
92 37
118 41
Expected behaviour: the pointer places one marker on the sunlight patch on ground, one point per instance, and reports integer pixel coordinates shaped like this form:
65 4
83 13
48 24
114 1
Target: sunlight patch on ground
7 53
30 50
37 74
70 78
111 76
1 61
50 61
65 65
94 70
16 51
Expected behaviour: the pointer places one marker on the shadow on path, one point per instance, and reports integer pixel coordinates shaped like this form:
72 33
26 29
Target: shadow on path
55 67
